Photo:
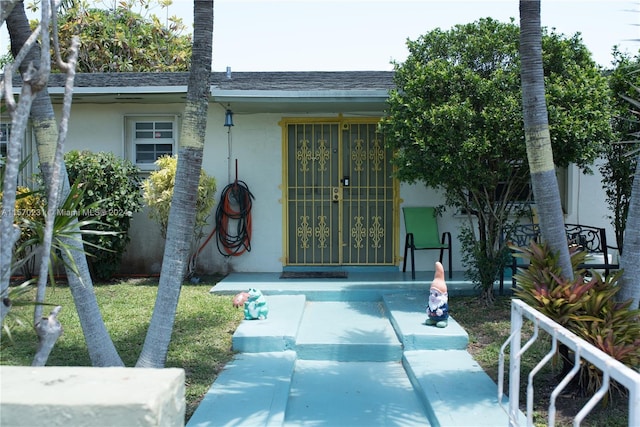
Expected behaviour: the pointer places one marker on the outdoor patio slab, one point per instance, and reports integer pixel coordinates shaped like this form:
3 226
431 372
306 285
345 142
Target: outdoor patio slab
252 390
407 313
347 331
358 286
275 333
455 389
330 393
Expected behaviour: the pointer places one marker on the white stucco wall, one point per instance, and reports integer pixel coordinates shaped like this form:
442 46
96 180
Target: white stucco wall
256 143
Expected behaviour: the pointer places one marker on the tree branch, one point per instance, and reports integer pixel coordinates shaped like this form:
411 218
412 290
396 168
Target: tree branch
56 181
48 330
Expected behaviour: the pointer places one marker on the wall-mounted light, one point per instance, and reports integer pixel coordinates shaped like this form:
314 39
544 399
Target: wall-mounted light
228 122
228 118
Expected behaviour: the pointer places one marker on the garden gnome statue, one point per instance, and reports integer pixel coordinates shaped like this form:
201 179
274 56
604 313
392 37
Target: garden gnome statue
255 305
438 307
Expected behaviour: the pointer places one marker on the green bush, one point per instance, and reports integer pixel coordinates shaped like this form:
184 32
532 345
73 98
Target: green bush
114 182
158 192
586 305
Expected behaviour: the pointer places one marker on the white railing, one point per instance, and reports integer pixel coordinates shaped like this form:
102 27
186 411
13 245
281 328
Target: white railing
611 368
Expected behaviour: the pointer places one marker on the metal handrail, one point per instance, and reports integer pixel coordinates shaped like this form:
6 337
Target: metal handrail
612 369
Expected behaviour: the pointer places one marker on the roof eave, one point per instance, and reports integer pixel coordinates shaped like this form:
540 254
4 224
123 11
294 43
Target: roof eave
131 90
302 96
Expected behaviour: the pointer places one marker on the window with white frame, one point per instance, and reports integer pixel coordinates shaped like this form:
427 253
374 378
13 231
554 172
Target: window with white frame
149 138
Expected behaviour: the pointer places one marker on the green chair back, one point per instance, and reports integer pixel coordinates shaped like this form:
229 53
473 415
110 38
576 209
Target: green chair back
422 222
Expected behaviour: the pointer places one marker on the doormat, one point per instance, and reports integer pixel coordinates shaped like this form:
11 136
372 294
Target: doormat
313 275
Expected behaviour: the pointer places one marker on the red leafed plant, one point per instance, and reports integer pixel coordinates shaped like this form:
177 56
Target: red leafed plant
586 305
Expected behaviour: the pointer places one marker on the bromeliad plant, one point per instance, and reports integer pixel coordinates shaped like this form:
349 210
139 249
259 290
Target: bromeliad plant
586 306
65 235
543 287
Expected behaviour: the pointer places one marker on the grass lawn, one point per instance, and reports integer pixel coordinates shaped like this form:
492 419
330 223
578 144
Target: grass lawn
201 343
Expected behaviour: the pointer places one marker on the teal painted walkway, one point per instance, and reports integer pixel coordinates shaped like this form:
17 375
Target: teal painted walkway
349 352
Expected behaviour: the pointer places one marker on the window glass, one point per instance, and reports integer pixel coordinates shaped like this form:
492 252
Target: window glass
149 153
5 131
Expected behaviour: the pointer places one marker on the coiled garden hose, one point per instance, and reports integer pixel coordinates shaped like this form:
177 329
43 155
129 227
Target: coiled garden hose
234 209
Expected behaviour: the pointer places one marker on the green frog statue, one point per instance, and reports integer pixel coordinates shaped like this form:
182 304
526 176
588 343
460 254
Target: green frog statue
255 304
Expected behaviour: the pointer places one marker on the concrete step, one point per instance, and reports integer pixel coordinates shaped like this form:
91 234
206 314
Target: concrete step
354 331
347 330
370 362
407 313
252 390
330 393
277 332
455 389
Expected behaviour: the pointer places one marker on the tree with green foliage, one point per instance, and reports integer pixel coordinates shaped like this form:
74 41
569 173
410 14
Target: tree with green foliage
114 184
455 123
619 162
100 346
34 64
122 40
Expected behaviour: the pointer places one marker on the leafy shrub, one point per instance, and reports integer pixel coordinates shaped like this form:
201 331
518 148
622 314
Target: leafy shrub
586 305
483 266
114 183
29 207
158 192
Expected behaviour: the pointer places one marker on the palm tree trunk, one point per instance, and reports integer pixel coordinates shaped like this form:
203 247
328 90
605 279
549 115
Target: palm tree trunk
537 137
182 211
630 261
102 352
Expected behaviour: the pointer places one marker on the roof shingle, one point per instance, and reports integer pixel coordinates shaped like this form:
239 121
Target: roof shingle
256 81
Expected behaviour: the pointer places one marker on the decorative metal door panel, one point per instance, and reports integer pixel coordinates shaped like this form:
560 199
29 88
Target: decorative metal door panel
340 195
367 205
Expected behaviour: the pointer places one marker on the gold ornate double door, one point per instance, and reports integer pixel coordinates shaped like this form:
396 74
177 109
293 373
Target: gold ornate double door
339 195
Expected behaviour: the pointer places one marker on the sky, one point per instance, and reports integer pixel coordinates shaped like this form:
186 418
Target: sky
312 35
359 35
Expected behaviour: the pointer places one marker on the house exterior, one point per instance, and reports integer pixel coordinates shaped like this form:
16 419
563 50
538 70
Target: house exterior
305 144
